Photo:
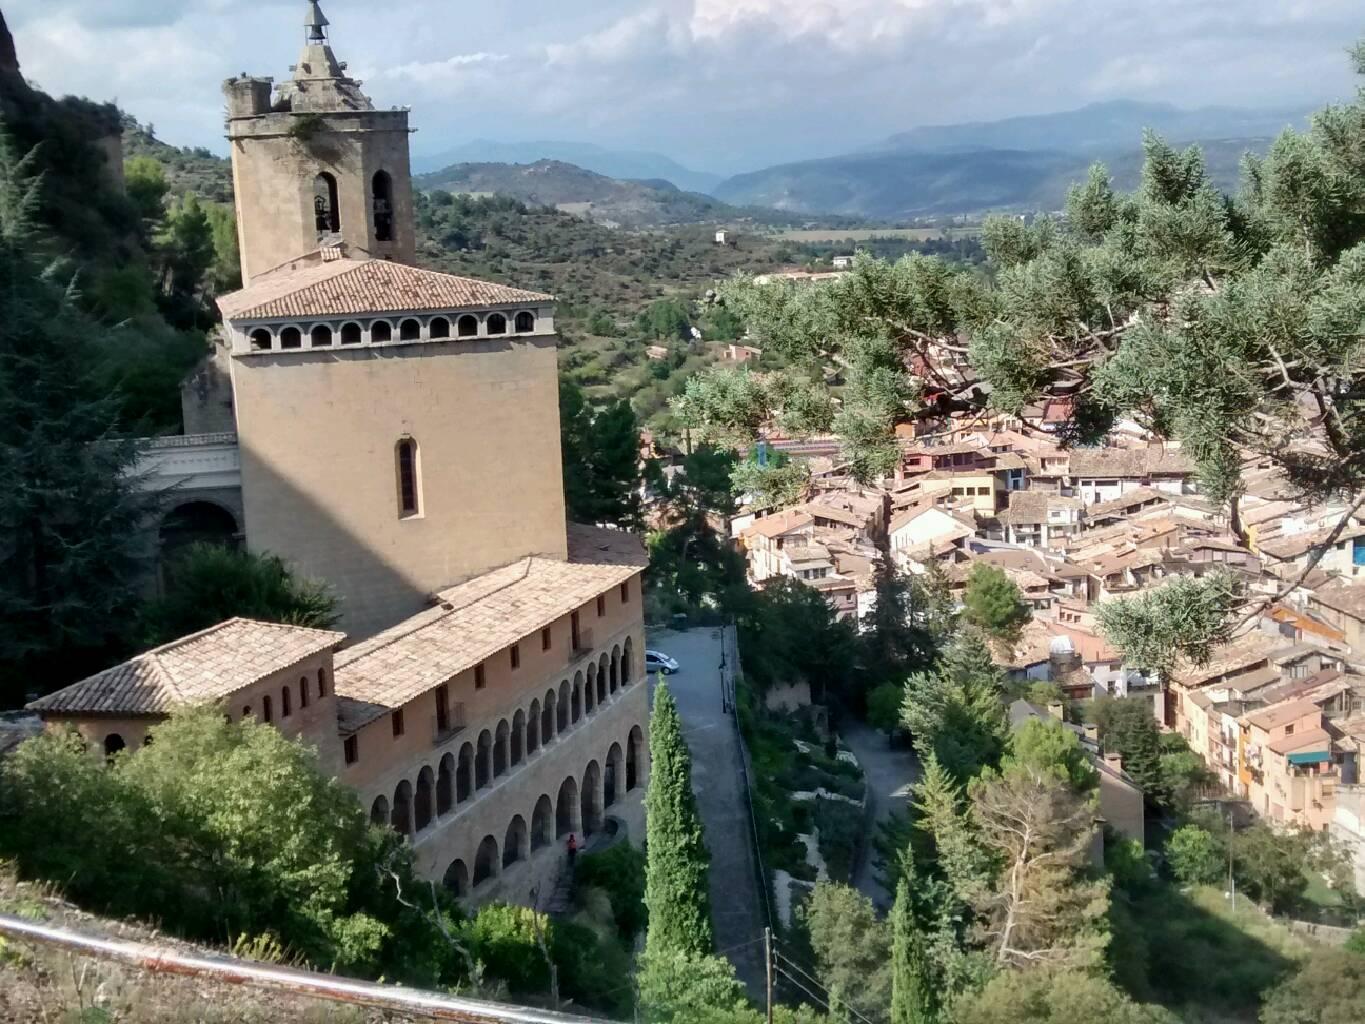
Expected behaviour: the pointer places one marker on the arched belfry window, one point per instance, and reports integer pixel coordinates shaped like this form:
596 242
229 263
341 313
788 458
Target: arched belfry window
326 208
381 189
409 496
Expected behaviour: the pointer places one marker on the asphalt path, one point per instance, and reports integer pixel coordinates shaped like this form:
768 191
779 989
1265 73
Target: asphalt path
718 781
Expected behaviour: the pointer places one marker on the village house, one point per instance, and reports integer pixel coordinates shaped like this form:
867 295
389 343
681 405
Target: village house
1102 474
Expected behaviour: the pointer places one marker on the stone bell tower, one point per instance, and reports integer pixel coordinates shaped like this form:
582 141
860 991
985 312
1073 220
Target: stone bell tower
314 163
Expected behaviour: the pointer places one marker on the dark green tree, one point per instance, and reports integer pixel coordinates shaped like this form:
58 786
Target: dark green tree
676 891
208 584
956 711
790 634
993 603
852 951
601 455
912 980
144 179
70 513
1127 728
1328 989
1196 856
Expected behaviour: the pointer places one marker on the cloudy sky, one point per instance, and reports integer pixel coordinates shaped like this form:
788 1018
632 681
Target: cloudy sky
723 85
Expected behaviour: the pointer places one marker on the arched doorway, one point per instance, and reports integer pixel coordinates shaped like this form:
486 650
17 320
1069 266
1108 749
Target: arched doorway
518 737
533 728
379 811
562 708
602 682
500 743
517 843
611 779
547 718
543 824
615 667
590 689
486 861
194 522
445 785
577 698
483 761
634 758
424 800
628 663
456 879
592 799
464 774
401 819
566 808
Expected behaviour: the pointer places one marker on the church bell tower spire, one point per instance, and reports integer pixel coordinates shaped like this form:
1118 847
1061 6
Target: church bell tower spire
316 23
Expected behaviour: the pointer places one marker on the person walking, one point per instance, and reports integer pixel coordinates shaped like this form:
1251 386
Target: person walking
573 849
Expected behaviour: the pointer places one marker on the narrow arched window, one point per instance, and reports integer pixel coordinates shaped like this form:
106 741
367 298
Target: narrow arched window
381 330
351 334
261 340
410 330
291 337
497 324
267 713
439 327
381 189
286 703
303 692
468 327
322 682
321 336
408 497
526 322
326 209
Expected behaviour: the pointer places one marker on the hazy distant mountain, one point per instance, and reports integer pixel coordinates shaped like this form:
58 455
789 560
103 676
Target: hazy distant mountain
626 165
1098 127
1020 163
906 184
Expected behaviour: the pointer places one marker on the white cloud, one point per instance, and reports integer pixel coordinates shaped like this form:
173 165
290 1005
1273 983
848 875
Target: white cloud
723 83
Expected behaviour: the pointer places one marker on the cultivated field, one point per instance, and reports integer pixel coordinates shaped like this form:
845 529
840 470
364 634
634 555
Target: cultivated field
864 234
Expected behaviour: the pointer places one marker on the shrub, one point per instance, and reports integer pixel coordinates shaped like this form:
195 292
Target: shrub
1196 856
620 873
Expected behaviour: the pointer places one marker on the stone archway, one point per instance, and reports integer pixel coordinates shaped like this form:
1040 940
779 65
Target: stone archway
635 759
486 864
613 778
517 843
566 808
456 879
591 810
543 824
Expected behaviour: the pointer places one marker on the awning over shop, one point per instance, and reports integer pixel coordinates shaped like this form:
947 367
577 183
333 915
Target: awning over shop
1310 757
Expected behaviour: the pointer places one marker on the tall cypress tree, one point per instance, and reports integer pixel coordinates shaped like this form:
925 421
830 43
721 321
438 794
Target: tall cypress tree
70 517
912 991
675 873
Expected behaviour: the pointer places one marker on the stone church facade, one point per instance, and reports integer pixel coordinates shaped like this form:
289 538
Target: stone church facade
397 435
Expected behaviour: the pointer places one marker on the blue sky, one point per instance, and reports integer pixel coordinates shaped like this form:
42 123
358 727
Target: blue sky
724 85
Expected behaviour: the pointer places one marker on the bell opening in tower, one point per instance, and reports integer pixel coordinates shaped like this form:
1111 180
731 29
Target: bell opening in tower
326 209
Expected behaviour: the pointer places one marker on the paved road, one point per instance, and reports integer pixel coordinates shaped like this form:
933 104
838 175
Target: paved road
890 773
717 780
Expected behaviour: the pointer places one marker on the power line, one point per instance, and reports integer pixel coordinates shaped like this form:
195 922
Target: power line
793 964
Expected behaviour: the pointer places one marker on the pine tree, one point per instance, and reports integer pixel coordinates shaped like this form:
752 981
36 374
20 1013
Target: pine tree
912 990
956 712
676 892
70 516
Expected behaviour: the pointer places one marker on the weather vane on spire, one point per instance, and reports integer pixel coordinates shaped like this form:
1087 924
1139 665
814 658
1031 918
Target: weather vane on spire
316 23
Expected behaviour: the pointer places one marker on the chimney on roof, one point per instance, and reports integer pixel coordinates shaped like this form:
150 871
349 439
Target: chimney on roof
1091 732
1057 710
1114 761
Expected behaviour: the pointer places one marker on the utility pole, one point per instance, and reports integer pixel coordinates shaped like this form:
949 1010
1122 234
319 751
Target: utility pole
1232 879
768 958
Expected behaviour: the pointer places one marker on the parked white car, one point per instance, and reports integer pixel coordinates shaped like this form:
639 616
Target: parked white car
657 661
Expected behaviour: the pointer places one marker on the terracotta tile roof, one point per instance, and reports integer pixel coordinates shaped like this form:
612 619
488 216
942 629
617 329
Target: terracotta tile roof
476 620
1341 596
1127 462
196 669
777 525
1314 739
356 287
1299 544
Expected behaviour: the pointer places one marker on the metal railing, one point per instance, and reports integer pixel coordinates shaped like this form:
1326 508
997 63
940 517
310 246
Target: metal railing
164 960
730 639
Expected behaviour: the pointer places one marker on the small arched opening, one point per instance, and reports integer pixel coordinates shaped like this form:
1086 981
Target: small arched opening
286 702
195 522
379 811
322 682
425 798
445 785
516 845
410 329
591 689
543 824
627 663
562 707
304 697
291 337
635 744
262 340
518 737
352 334
615 666
467 326
602 682
113 743
464 774
501 741
381 192
326 208
592 799
409 495
533 728
576 698
381 330
547 718
438 328
401 819
486 861
320 336
456 879
525 322
483 760
496 324
566 808
611 778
